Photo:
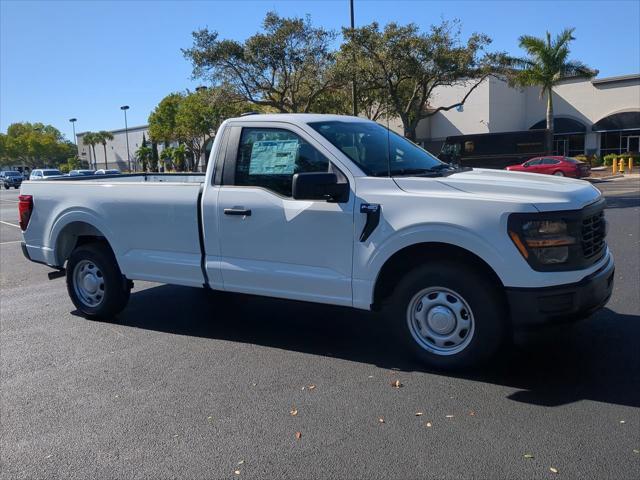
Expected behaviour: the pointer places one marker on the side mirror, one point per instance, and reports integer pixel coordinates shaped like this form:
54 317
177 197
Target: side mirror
319 186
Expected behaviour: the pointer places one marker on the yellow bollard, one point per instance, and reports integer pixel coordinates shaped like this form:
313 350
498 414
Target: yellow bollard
621 166
614 166
630 165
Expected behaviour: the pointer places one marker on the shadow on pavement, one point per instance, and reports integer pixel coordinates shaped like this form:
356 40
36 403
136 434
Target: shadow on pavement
597 359
623 201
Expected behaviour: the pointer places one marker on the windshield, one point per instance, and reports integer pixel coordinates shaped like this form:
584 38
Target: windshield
12 174
50 173
376 150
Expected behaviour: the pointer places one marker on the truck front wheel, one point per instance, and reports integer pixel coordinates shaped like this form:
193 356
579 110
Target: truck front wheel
94 281
449 316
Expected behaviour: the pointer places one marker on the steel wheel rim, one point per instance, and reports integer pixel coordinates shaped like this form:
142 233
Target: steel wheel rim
88 283
559 174
440 321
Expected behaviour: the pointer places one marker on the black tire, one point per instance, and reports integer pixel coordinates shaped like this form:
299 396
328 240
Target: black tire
114 289
490 328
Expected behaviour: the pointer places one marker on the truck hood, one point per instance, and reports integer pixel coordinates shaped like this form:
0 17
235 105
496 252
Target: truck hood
545 192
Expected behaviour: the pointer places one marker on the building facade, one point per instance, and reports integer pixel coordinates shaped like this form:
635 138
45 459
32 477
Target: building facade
116 149
596 116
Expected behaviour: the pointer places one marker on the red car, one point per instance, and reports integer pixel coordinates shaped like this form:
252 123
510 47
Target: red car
554 165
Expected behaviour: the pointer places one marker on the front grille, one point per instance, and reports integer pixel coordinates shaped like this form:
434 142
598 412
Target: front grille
593 233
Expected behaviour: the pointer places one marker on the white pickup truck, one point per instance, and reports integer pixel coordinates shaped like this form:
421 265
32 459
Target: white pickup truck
336 210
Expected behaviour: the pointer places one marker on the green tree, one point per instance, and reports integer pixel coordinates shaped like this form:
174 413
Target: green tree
162 121
143 154
155 157
102 137
546 64
401 66
35 145
285 67
178 156
91 139
200 114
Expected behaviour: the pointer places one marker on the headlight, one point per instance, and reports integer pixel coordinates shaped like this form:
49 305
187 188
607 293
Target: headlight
543 242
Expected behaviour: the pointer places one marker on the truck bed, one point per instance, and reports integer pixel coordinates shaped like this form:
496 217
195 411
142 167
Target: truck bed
150 221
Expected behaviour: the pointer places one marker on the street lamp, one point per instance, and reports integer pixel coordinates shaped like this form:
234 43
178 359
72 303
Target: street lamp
353 80
73 124
124 108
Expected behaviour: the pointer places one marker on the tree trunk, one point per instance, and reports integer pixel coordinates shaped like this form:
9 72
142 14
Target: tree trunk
550 120
104 145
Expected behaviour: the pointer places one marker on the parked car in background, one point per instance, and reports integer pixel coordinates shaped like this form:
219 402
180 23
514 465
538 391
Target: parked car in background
11 178
76 173
111 171
554 165
41 173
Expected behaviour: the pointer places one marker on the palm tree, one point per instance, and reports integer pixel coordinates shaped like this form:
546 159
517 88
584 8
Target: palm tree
101 137
90 138
546 65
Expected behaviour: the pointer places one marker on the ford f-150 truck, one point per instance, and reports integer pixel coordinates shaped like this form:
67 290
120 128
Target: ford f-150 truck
336 210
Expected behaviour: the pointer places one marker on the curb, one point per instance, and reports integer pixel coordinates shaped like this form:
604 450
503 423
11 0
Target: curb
603 179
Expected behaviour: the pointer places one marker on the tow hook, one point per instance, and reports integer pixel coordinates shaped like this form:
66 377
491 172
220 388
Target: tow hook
61 272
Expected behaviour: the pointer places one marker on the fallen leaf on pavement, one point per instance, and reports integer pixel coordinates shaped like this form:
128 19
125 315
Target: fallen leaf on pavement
293 412
635 450
419 414
298 435
381 420
449 416
312 386
428 424
621 421
397 384
553 470
209 418
237 472
528 455
472 413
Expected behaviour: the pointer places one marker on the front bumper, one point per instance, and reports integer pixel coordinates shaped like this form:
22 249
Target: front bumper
532 307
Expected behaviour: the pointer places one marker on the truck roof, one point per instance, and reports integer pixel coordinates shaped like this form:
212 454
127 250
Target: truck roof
298 118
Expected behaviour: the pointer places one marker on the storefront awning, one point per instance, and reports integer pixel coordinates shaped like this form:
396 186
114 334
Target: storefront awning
617 122
562 125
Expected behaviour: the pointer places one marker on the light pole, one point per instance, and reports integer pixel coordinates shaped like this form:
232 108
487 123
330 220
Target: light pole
124 108
73 124
353 80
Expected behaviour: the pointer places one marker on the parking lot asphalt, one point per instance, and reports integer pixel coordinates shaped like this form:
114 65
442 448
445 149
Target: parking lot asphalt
194 385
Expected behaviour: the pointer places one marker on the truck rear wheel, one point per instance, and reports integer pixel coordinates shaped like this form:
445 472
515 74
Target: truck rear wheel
94 282
449 316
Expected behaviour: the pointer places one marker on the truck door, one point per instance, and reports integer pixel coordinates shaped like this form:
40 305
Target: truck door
271 244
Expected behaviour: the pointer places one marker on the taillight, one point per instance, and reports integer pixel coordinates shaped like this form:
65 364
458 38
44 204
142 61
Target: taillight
25 207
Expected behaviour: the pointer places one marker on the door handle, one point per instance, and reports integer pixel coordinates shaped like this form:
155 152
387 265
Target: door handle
237 211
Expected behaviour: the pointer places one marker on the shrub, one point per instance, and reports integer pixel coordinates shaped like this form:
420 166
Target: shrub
609 158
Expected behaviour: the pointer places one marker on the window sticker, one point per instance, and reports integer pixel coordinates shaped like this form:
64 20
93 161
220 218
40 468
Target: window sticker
273 157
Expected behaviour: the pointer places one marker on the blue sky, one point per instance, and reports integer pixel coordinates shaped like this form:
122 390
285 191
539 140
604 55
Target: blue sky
85 59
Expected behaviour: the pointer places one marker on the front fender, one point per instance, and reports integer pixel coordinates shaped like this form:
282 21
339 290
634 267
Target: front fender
369 261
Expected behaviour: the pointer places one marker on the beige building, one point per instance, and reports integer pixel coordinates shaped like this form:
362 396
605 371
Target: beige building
116 148
591 116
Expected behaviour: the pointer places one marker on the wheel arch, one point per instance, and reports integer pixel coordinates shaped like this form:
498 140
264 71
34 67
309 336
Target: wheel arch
73 234
407 258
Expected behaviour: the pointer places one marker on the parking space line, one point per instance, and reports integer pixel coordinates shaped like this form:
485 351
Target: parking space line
12 241
10 224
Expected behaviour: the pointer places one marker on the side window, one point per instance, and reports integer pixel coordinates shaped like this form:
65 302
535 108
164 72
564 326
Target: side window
550 161
534 162
269 157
